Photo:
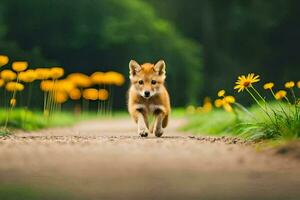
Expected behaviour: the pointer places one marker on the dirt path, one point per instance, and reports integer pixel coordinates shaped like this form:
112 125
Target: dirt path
107 160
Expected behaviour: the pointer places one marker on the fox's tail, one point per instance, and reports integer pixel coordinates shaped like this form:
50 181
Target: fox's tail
165 121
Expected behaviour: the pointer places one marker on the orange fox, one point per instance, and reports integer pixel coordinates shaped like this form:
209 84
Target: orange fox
148 95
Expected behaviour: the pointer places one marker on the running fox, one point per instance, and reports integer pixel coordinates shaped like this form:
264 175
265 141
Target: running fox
148 95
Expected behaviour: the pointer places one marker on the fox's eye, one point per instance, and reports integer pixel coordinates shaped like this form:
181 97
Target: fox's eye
153 82
141 82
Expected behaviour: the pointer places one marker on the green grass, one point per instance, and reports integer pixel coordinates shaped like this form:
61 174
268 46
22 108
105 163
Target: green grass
178 112
28 192
281 121
216 122
34 120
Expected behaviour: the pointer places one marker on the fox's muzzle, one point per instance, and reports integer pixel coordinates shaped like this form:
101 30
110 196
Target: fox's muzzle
146 94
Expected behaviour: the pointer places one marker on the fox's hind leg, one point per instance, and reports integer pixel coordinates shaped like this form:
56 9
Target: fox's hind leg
165 121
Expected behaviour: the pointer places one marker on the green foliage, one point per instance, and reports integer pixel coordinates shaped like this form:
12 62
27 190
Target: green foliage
239 36
33 120
282 122
28 192
216 122
104 35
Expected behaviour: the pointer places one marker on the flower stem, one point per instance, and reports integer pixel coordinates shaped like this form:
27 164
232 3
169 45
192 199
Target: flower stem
273 93
293 95
255 99
258 94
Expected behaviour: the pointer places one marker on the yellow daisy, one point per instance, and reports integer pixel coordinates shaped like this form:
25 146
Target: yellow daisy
280 94
289 84
3 60
221 93
75 94
60 97
13 102
103 94
19 66
8 75
246 81
14 86
268 86
218 103
229 99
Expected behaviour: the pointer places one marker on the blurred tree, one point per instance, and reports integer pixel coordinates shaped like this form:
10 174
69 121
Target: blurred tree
89 35
240 36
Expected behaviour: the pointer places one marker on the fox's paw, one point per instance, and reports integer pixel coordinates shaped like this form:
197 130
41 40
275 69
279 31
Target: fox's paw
143 132
158 132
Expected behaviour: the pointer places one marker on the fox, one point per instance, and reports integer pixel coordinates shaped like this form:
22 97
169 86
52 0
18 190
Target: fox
147 95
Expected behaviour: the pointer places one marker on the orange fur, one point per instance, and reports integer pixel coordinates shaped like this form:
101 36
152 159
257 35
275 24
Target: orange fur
158 103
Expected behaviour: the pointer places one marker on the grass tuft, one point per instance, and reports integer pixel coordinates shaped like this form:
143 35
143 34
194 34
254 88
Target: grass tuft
34 120
282 121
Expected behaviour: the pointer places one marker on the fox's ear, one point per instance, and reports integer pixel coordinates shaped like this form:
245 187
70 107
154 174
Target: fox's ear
134 67
160 67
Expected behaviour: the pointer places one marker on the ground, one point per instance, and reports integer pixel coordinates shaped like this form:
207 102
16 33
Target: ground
106 159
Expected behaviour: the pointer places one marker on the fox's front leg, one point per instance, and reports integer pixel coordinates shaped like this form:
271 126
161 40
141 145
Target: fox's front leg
142 123
157 126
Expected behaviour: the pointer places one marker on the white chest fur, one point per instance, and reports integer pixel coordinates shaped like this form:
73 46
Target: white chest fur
150 107
153 107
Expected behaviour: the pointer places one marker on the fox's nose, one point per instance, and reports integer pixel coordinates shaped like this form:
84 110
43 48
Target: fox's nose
147 93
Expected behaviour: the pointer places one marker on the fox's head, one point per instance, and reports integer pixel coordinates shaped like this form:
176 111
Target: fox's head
147 78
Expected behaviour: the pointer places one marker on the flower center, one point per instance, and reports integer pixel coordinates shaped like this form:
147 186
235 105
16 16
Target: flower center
246 83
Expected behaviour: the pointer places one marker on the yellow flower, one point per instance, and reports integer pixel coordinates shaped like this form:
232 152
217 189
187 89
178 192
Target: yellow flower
229 99
64 85
218 103
42 73
56 72
190 109
19 66
2 82
75 94
268 86
280 94
80 80
221 93
98 78
60 97
22 76
207 107
114 78
30 76
227 107
3 60
103 94
27 76
90 94
14 86
298 84
245 82
289 84
13 102
47 85
8 75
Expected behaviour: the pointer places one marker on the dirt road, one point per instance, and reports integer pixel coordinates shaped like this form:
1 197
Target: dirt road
105 159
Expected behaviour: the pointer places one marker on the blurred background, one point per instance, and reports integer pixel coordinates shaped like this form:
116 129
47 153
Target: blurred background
205 43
